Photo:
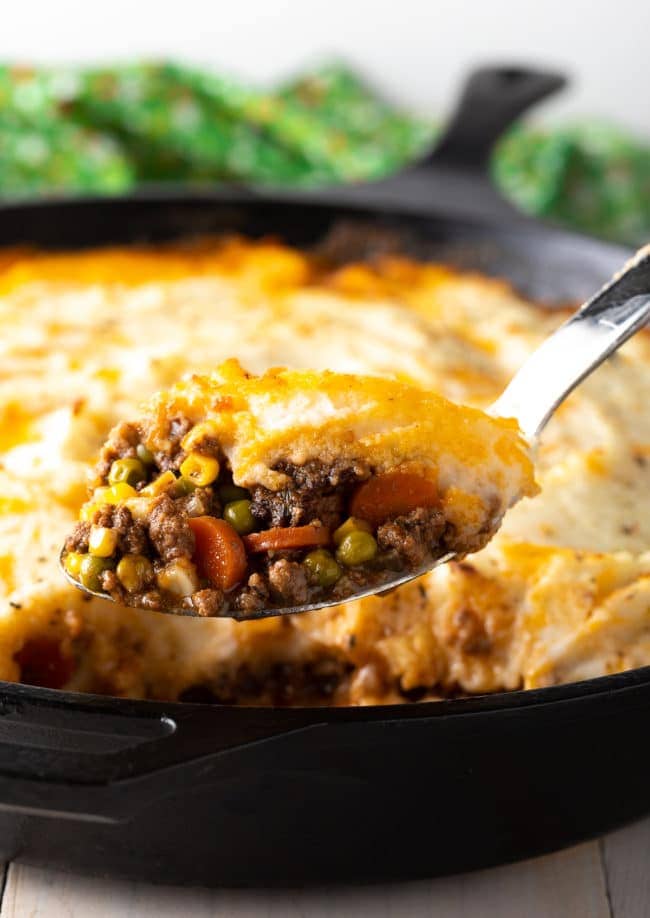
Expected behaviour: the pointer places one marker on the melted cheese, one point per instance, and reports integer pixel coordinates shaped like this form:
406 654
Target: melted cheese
561 592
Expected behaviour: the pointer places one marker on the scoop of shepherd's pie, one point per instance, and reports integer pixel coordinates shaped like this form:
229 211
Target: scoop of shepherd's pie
233 493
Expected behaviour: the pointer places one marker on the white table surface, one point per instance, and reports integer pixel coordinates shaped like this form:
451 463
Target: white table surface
608 878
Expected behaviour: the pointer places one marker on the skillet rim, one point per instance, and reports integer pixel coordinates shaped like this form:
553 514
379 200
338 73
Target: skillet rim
504 226
607 686
506 223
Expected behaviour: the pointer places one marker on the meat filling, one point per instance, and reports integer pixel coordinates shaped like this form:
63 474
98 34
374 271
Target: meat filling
412 535
288 582
317 492
169 529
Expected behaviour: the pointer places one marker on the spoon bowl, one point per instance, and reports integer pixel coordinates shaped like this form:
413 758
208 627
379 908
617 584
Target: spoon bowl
375 590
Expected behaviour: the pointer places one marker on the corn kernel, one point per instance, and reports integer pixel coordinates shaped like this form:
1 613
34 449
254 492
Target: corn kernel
133 572
102 542
120 492
201 470
162 483
179 577
88 511
72 563
115 494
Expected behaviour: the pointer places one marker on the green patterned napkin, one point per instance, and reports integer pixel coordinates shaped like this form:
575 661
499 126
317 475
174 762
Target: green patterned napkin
105 129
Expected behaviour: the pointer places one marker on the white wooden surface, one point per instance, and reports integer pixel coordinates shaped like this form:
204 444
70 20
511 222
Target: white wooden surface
609 878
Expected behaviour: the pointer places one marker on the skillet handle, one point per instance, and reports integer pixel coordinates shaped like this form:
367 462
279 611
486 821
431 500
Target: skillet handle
96 759
491 100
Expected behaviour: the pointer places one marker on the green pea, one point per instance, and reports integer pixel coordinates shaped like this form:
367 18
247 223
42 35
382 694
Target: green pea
238 514
144 455
356 548
184 486
228 493
352 524
91 569
130 471
322 567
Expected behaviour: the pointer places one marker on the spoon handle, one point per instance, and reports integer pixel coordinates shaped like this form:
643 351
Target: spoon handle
599 328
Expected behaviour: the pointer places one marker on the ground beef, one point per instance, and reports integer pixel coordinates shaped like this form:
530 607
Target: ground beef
166 461
111 584
296 508
288 582
78 538
169 531
318 476
254 596
122 444
149 600
207 602
308 682
353 580
171 455
317 492
413 536
104 516
276 683
132 534
135 540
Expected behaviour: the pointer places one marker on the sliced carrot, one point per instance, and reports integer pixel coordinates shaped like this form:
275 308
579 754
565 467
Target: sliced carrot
392 494
290 537
220 554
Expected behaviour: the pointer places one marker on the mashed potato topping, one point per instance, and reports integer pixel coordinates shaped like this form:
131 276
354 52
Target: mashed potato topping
562 592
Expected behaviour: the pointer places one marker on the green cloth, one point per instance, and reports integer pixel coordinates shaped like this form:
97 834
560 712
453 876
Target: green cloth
591 177
106 129
43 149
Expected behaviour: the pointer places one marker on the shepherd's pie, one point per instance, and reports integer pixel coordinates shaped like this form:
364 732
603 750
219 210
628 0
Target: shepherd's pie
562 592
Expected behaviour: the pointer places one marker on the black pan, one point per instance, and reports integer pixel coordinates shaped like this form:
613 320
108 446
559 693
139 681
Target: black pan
220 795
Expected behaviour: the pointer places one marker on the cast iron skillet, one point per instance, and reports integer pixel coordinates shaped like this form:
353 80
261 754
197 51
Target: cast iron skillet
219 795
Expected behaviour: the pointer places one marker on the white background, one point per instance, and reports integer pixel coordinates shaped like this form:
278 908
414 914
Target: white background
414 50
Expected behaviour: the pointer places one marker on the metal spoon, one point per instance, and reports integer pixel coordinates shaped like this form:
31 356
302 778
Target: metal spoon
570 354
